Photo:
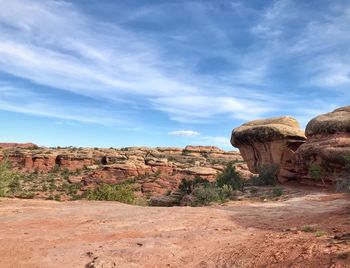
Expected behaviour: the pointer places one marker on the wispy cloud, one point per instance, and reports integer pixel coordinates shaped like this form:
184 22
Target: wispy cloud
53 44
56 45
21 100
184 133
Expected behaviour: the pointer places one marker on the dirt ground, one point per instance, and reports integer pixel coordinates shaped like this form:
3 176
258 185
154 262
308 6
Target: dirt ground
308 228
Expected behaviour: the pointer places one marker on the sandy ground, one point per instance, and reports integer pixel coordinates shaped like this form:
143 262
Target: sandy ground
38 233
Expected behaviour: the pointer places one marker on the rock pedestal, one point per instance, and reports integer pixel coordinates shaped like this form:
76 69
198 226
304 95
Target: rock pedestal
327 146
269 142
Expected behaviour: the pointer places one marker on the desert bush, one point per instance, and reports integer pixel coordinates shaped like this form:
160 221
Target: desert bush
204 195
55 169
316 172
308 229
122 192
9 180
277 191
65 173
187 186
320 233
230 177
267 176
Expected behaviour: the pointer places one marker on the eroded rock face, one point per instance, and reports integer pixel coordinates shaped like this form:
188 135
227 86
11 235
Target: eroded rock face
328 142
157 170
19 145
269 142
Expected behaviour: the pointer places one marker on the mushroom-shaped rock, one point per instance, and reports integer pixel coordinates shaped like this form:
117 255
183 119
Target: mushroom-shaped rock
269 142
327 146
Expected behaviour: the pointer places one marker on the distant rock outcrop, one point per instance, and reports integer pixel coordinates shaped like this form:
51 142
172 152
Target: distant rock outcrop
327 145
157 170
18 145
269 142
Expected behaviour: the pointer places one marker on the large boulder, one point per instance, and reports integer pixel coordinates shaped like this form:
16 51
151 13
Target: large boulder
269 142
327 146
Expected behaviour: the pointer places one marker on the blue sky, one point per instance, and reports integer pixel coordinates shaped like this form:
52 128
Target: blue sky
166 73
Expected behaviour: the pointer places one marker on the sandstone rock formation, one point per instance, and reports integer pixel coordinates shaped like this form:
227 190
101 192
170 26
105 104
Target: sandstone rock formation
157 170
327 145
269 142
19 145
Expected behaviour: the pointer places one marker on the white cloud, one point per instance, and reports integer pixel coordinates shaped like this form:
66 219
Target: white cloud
52 43
25 101
199 108
184 133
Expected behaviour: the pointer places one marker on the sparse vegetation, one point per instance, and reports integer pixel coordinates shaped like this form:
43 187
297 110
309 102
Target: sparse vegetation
312 229
204 195
9 180
277 191
203 192
316 172
188 186
230 177
308 229
320 233
267 176
122 192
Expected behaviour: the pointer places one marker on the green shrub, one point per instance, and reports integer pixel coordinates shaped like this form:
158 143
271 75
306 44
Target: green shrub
187 186
55 169
308 229
267 176
225 193
315 172
230 177
204 195
320 233
65 173
9 180
277 191
119 192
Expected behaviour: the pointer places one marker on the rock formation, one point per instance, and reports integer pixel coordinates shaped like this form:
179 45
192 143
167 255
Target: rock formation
269 142
18 145
327 146
157 170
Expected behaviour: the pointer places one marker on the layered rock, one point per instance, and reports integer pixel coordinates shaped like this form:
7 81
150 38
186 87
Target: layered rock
157 170
327 146
17 145
269 142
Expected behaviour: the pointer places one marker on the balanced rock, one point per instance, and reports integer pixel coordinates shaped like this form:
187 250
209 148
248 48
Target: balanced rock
269 142
327 146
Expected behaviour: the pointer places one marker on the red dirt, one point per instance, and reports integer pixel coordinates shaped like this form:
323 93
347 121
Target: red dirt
37 233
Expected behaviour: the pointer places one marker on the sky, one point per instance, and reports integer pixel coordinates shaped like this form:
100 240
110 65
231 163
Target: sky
166 73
